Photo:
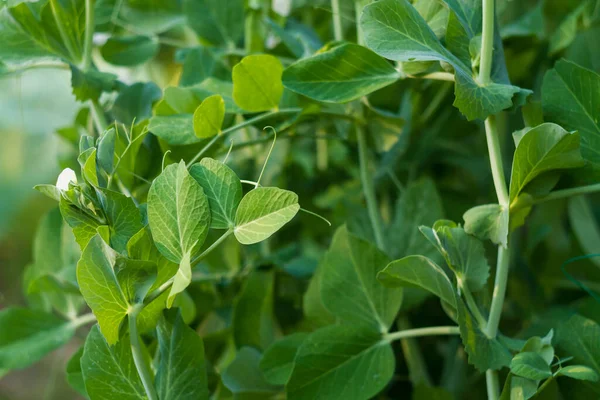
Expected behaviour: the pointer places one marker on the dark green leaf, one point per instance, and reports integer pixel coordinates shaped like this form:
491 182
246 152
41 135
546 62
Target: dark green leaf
278 361
218 22
244 378
135 102
129 50
91 84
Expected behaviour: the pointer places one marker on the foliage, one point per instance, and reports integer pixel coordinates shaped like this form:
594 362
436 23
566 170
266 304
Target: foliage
383 117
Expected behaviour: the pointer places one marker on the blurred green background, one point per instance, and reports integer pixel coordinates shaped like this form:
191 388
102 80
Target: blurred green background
32 106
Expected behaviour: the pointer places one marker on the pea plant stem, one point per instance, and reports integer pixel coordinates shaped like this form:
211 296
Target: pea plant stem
418 332
138 356
494 150
89 34
338 33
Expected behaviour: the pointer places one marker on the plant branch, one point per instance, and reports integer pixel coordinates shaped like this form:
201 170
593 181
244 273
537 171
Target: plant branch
499 291
83 320
418 332
368 188
487 42
90 24
438 76
493 143
338 33
98 116
231 129
138 357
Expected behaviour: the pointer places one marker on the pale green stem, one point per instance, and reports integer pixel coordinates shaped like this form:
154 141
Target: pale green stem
565 193
239 126
83 320
165 286
98 116
338 33
89 34
493 144
418 332
368 188
487 42
138 356
499 291
438 76
491 381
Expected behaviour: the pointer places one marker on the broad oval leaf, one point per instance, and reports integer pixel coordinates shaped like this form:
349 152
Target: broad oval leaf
277 363
208 117
178 213
349 286
571 97
262 212
109 371
257 83
530 365
100 287
339 75
28 335
181 372
129 50
547 147
579 372
223 189
489 221
329 356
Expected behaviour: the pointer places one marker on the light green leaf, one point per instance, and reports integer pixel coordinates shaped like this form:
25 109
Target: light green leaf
100 287
331 356
181 373
176 130
257 83
208 117
530 365
223 189
262 212
579 372
489 221
218 22
395 30
277 363
178 213
547 147
571 98
419 271
129 50
84 225
349 286
28 335
420 204
244 378
122 215
339 75
253 321
108 370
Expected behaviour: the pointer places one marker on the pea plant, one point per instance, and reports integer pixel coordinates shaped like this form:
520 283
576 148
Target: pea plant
177 247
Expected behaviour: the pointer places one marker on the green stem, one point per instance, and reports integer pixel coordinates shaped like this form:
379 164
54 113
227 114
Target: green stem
487 42
83 320
546 383
138 357
491 381
338 33
368 188
267 115
89 34
165 286
502 268
418 332
562 194
437 76
472 304
493 143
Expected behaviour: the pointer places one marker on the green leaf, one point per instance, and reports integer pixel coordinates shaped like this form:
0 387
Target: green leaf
262 212
530 365
257 83
108 370
129 51
74 373
396 31
17 46
547 147
344 73
464 253
178 213
244 378
277 363
223 189
584 225
349 286
419 205
181 372
28 335
83 224
135 102
100 287
571 98
579 372
122 215
579 337
218 22
253 322
209 116
419 271
331 356
489 221
91 84
176 130
565 33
